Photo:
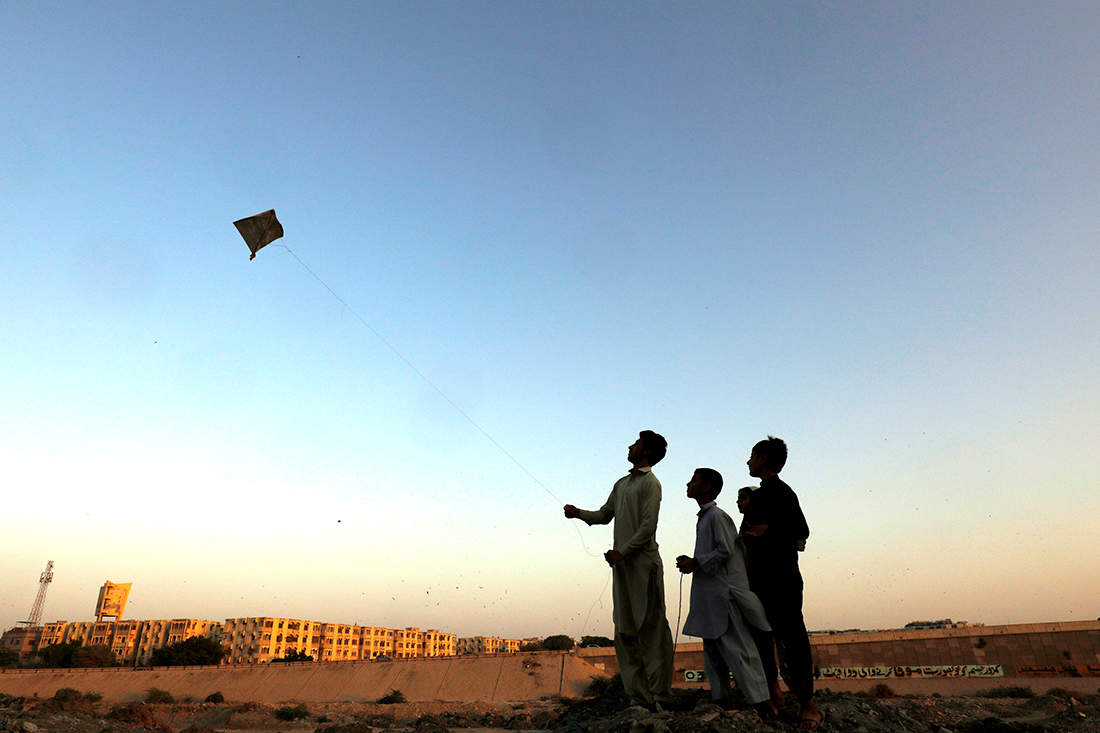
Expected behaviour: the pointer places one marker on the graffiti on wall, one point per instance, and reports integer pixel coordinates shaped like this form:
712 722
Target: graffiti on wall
905 671
882 673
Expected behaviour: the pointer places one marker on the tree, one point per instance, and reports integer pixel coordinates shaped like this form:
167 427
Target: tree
558 642
59 655
295 656
196 650
596 641
96 655
8 657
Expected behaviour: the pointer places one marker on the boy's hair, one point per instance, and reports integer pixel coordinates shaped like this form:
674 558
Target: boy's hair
711 478
774 451
654 446
745 491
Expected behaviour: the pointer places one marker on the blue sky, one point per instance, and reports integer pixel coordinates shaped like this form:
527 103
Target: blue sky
870 229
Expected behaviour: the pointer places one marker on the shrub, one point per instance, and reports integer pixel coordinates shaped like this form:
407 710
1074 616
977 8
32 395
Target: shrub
153 695
880 691
297 712
197 650
1009 691
393 696
601 686
93 696
215 697
66 694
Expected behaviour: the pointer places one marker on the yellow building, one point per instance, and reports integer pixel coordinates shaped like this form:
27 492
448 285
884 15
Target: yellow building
132 642
22 640
257 640
375 641
438 643
263 638
153 635
339 642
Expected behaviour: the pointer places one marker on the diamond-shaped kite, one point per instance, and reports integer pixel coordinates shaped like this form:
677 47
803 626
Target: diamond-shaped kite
259 230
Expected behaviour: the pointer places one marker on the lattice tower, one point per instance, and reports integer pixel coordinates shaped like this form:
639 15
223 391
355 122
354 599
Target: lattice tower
40 599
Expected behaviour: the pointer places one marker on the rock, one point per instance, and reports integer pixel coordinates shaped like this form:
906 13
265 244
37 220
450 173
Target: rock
29 727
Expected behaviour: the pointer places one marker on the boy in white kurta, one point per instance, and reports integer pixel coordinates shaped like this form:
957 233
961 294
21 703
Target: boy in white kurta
723 611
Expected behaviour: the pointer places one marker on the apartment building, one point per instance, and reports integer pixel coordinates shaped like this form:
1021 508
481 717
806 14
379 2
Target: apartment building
247 640
263 638
374 642
132 642
257 640
153 635
488 645
22 640
339 642
437 643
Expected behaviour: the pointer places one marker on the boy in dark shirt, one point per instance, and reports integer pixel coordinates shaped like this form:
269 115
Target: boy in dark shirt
774 529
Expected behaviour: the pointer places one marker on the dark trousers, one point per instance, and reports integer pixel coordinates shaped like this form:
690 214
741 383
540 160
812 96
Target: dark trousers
784 609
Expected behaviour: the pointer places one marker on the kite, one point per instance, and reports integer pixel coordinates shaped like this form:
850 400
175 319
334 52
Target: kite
259 231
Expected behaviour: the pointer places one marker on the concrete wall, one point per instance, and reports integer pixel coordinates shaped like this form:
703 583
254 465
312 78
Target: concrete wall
501 678
1050 649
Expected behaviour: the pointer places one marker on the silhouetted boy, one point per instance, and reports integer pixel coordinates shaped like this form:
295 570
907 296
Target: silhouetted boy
776 527
723 609
643 641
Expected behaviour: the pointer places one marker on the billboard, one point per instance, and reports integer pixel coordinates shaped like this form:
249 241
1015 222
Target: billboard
112 600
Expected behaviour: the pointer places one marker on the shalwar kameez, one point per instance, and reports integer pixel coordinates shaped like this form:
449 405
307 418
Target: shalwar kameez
643 641
724 612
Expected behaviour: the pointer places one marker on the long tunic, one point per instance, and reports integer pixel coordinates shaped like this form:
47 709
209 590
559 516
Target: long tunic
634 503
720 579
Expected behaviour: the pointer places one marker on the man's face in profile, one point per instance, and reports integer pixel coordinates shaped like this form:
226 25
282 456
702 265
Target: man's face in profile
743 499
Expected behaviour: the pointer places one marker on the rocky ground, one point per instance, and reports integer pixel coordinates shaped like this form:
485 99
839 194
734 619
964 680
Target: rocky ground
607 712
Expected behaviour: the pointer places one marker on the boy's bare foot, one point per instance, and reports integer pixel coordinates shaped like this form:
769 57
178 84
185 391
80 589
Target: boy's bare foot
777 695
809 718
766 710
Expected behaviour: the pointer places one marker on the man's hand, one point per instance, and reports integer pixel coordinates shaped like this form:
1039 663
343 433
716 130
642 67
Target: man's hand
756 530
686 564
612 557
571 512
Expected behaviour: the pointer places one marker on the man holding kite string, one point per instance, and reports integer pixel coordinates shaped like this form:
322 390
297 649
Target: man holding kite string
643 641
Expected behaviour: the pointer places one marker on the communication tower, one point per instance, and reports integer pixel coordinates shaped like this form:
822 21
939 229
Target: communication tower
40 599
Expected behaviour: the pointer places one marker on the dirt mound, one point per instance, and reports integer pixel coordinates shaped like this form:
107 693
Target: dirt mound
607 712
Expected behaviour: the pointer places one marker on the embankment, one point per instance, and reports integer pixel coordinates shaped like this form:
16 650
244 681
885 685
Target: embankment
498 678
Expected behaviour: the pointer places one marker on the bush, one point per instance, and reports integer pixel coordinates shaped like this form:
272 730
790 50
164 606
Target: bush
93 696
557 643
153 695
198 650
1009 691
604 686
96 655
394 696
297 712
66 694
215 697
880 691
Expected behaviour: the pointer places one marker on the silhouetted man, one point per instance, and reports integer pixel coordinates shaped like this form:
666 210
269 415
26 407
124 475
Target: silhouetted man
643 641
775 528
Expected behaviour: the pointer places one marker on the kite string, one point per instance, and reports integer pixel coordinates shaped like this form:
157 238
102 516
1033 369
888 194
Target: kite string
436 387
599 598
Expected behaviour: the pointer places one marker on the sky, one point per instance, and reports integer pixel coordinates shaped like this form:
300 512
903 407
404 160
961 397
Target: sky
517 233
